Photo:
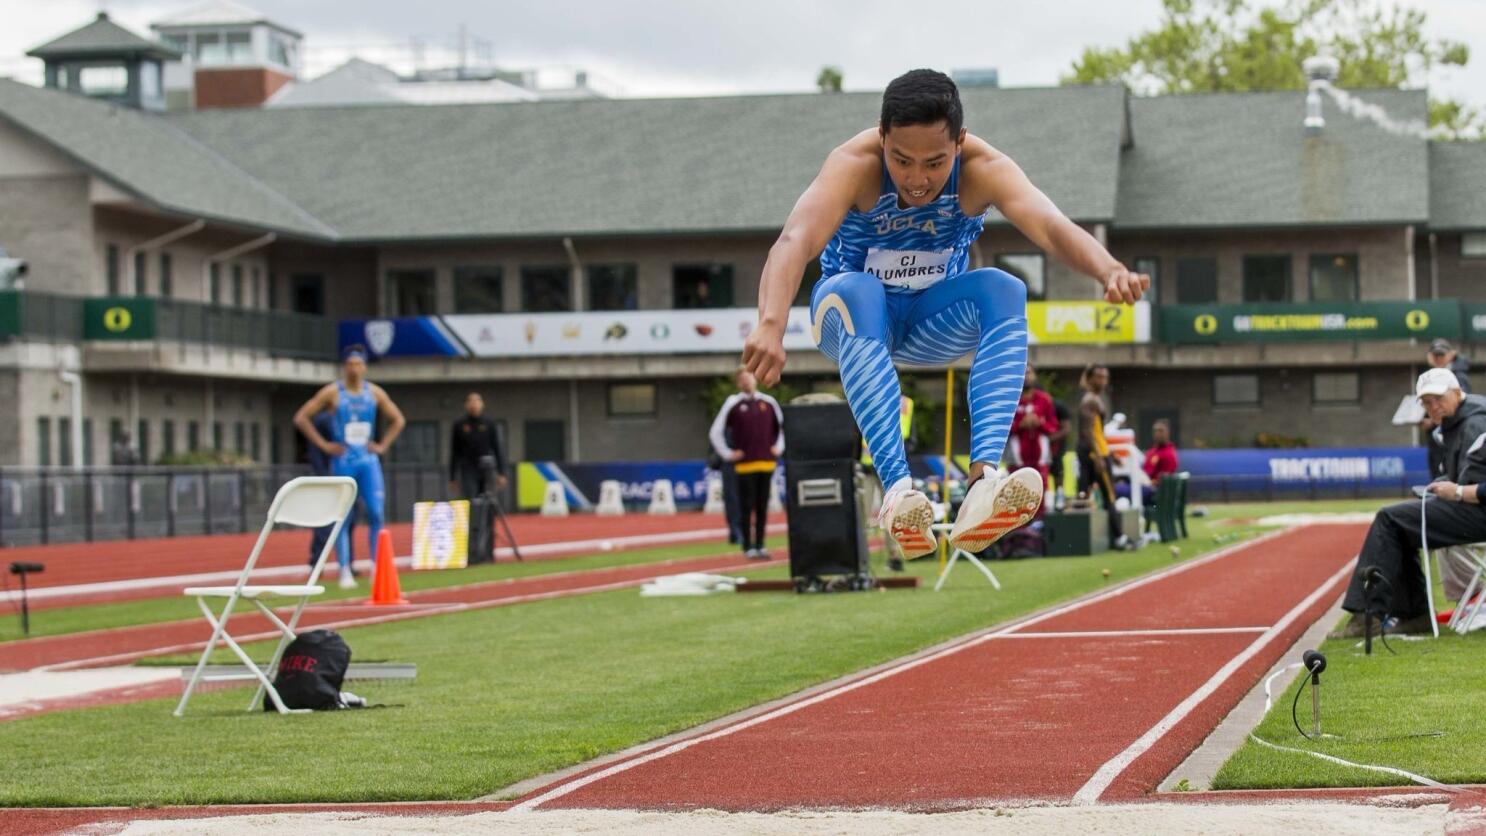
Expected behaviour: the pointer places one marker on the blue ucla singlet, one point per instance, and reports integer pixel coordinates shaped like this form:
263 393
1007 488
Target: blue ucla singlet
355 418
911 248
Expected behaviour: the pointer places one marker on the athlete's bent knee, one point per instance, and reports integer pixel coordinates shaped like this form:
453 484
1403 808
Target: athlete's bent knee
1006 293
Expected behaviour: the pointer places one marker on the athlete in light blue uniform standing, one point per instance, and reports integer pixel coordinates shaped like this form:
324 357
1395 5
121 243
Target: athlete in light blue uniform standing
891 216
353 402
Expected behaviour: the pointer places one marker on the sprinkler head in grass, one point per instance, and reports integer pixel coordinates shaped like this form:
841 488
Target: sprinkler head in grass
1176 551
1106 574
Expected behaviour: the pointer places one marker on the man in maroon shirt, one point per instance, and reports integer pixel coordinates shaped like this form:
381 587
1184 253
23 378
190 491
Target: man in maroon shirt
1161 459
754 423
1035 422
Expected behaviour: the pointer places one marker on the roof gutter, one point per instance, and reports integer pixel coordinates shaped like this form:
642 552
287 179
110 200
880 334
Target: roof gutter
233 252
157 242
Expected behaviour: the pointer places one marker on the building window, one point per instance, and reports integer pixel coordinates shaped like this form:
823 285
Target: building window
255 442
239 438
418 444
111 268
631 400
256 299
239 48
807 284
546 289
167 281
478 290
613 287
702 286
103 81
273 444
167 437
1473 245
216 283
1335 387
1266 278
87 442
142 441
209 48
193 436
44 441
64 442
1236 390
237 285
1197 281
1030 268
217 436
546 440
1151 266
411 293
139 274
309 293
1334 278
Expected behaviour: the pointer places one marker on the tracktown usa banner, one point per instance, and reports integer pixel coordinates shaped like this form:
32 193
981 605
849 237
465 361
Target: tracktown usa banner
707 331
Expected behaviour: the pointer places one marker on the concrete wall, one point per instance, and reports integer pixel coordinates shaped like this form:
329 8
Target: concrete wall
351 285
1382 257
189 277
1459 278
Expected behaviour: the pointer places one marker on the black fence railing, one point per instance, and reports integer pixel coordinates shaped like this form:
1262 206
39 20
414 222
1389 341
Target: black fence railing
46 316
40 506
279 333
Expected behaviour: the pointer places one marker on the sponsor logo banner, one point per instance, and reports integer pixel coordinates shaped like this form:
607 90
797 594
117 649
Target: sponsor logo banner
119 318
441 534
1310 321
1303 468
1083 322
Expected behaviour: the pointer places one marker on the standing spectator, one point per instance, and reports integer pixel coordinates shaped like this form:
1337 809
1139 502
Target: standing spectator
320 466
1442 355
1161 459
474 446
1093 449
1032 428
749 433
123 453
1058 444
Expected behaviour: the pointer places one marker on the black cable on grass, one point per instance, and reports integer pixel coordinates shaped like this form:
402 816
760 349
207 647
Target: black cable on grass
1295 704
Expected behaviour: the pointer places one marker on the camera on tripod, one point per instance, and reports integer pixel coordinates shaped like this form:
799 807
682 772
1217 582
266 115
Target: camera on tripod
12 271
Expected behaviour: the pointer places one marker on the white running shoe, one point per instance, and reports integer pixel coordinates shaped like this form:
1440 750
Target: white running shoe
994 506
348 580
906 517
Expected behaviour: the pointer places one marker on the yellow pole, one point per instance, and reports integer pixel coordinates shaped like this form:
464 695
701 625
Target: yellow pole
949 414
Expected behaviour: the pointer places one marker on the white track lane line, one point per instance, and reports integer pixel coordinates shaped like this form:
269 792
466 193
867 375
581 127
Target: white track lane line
298 569
1116 634
971 640
120 658
1096 785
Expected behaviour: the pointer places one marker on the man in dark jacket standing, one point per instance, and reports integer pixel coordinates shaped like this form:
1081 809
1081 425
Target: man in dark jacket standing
1456 514
474 439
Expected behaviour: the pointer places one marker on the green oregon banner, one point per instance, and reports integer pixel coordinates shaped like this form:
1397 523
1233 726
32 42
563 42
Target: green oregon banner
119 318
1310 321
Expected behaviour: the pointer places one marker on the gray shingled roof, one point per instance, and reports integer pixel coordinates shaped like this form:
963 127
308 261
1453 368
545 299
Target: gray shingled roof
623 166
150 157
1457 185
1242 159
99 37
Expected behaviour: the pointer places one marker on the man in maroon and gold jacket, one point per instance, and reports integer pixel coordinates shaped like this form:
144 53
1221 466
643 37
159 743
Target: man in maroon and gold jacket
754 423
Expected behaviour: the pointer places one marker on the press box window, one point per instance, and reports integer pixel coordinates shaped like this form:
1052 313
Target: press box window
1266 278
1236 390
1151 266
1335 387
545 289
1030 268
1333 278
613 287
410 293
1196 281
478 290
631 400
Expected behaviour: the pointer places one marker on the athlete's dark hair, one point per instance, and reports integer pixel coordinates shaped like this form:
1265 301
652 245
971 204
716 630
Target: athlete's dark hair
922 97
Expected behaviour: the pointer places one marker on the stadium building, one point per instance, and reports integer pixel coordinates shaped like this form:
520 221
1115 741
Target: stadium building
194 269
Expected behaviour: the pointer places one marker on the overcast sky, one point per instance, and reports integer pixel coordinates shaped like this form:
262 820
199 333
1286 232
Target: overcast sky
695 47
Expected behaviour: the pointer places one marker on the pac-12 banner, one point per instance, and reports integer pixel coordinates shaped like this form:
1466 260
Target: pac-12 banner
441 534
707 331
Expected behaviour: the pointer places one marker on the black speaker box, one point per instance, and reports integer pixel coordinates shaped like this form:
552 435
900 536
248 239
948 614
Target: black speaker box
825 535
820 431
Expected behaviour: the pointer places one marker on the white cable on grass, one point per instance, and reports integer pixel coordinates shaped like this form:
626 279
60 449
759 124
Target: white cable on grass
1269 703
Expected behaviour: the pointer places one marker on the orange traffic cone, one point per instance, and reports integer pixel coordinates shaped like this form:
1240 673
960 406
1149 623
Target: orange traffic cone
386 589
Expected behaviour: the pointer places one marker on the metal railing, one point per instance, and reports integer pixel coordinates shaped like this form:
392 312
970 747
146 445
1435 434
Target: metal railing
25 313
280 333
40 506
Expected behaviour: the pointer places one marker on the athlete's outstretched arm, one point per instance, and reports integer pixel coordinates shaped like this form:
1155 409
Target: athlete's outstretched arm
1046 226
304 420
395 420
816 217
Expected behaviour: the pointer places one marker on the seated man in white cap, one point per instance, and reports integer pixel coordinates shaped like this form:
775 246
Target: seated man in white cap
1389 580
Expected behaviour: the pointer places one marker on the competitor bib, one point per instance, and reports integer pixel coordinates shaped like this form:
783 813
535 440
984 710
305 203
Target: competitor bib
911 269
358 433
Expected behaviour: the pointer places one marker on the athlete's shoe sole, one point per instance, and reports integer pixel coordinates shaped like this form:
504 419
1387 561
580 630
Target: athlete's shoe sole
988 513
910 526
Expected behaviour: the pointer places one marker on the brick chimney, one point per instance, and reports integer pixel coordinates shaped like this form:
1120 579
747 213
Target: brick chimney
236 86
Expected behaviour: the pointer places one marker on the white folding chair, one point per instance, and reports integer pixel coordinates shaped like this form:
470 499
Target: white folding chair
1466 610
309 502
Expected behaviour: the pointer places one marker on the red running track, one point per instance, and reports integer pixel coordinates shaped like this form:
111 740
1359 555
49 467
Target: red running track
131 560
123 645
1097 700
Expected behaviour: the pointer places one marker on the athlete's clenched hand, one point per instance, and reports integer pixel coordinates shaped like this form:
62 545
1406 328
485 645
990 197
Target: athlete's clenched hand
763 353
1121 285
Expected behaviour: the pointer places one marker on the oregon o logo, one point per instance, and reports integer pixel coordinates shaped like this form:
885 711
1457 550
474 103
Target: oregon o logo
1205 324
117 320
1416 320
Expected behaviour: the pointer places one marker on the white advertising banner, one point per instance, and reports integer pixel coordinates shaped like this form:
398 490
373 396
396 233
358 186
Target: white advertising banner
707 331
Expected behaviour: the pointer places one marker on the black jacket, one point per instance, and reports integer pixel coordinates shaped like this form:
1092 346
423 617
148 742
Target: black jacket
473 438
1462 367
1464 436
